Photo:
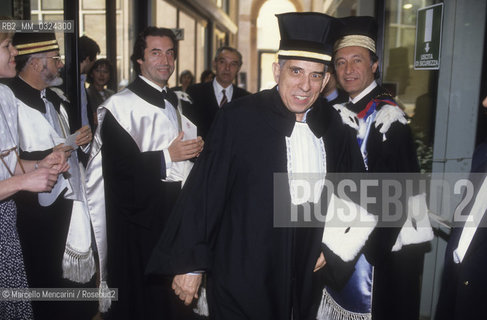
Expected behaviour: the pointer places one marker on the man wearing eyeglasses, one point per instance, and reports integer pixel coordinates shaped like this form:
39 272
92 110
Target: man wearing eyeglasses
209 97
54 228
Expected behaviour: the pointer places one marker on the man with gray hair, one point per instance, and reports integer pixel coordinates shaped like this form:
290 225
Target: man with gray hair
54 228
209 97
223 223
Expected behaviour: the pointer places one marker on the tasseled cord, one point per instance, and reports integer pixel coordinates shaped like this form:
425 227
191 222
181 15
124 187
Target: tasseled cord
78 267
105 300
202 305
330 310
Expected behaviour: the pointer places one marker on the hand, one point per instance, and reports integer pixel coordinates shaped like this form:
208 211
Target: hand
320 263
56 160
40 180
84 137
180 150
63 148
186 286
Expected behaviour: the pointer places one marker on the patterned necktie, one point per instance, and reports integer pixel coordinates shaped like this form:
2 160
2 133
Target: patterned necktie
224 99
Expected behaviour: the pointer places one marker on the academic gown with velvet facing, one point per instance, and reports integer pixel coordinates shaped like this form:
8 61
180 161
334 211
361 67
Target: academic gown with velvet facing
138 204
397 275
223 221
43 230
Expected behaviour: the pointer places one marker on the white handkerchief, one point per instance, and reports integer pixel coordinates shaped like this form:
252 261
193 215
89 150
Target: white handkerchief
48 198
188 128
71 140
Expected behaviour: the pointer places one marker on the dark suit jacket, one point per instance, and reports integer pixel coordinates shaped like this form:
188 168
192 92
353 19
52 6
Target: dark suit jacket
463 287
95 99
205 105
342 97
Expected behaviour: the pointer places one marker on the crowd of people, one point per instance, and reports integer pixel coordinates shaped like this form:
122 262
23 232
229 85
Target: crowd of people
168 195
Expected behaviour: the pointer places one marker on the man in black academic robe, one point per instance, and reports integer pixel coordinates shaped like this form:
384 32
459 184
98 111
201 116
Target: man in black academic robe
223 222
387 147
207 97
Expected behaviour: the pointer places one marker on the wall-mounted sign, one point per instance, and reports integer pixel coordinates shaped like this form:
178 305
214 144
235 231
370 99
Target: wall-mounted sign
179 33
428 37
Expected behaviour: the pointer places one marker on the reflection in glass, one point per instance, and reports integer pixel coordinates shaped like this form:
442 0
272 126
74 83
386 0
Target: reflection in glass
94 27
34 4
414 90
267 41
52 4
93 4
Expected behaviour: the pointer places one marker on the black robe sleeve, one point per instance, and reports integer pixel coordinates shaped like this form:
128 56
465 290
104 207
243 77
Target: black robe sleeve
397 154
199 209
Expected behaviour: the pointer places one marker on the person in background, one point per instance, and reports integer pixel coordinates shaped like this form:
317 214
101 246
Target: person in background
332 93
479 158
209 97
186 79
207 76
17 175
88 50
463 283
98 77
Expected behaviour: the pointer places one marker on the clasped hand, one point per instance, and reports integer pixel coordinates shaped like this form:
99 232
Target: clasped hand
180 150
45 176
186 286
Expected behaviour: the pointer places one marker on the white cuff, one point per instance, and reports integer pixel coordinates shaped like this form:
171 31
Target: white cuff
347 228
417 228
167 158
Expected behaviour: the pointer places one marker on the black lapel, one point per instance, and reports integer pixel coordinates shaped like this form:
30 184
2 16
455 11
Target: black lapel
362 103
28 95
276 113
151 94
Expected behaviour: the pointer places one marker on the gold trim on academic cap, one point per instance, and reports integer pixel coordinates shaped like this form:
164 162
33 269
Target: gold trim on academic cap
304 54
34 47
355 41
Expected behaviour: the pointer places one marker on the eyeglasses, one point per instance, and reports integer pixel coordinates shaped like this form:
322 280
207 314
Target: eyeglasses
5 153
57 59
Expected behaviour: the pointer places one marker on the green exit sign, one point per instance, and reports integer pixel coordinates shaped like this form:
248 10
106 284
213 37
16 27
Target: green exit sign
428 37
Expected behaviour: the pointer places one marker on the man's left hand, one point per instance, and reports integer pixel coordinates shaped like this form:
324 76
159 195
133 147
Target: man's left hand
84 137
186 286
320 263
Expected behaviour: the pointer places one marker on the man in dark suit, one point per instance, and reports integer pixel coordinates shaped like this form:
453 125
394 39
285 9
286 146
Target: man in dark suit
332 92
462 293
209 97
